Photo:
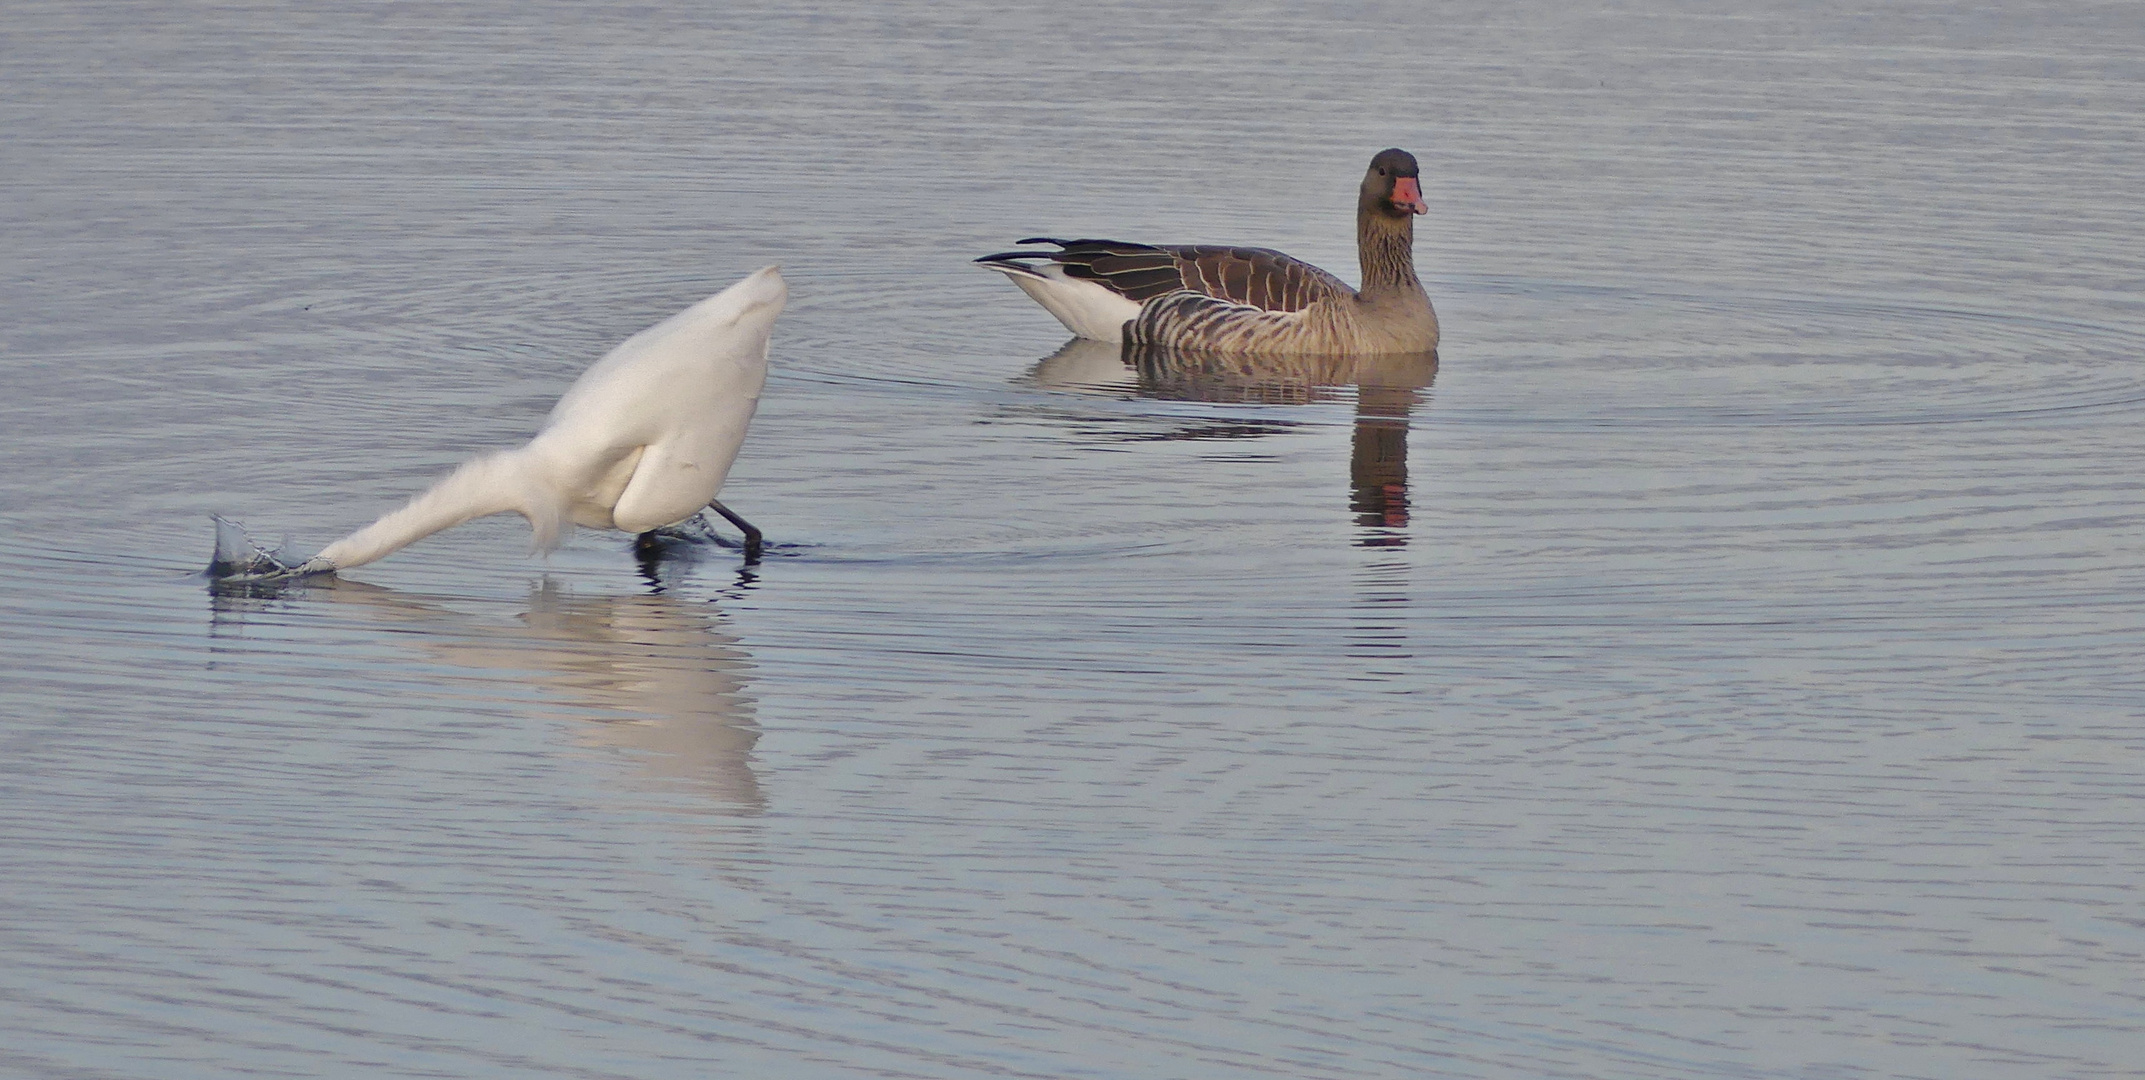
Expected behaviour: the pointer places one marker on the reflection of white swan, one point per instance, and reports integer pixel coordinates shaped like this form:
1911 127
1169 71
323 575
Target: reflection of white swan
649 673
644 438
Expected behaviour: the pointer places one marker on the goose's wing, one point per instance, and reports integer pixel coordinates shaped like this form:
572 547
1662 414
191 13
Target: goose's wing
1256 277
1253 277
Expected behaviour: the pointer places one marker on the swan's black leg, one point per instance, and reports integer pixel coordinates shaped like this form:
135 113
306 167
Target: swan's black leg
752 535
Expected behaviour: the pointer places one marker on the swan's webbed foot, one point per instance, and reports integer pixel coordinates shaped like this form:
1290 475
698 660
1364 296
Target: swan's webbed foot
664 541
680 539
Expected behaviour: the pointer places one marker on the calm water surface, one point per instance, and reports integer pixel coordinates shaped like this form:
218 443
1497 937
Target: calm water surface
1722 661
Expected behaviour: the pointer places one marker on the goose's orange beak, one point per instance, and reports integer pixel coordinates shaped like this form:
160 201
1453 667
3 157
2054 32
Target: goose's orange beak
1408 195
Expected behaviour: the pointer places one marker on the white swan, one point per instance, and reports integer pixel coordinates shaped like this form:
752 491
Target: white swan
643 439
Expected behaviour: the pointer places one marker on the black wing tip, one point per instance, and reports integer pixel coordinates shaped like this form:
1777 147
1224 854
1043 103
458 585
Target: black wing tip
1007 259
1134 271
1092 243
1011 262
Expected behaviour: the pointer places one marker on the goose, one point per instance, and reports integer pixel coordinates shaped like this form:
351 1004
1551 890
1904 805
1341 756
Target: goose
1245 300
643 439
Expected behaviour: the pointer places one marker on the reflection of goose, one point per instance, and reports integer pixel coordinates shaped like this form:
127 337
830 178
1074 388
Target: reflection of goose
643 439
1232 299
1388 387
1378 457
651 673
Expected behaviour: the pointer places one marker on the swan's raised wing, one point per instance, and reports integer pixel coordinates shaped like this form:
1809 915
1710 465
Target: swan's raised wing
676 478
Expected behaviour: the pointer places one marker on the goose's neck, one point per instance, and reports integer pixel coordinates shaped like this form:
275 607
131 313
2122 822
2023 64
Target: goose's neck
1386 246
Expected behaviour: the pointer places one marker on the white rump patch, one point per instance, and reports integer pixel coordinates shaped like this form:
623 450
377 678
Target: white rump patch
1087 308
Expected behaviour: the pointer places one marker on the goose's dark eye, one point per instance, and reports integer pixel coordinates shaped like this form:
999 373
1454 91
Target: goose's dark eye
1381 170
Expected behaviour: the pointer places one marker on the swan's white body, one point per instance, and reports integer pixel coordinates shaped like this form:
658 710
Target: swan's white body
644 438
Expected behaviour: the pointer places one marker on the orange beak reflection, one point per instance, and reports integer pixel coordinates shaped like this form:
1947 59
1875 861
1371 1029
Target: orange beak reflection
1408 195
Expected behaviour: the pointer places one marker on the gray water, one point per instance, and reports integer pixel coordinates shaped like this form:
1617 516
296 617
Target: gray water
1724 662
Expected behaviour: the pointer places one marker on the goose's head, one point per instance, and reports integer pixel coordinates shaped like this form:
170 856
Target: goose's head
1393 186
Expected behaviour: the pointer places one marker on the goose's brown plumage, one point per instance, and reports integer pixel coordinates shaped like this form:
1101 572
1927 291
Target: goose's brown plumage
1243 299
1259 277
